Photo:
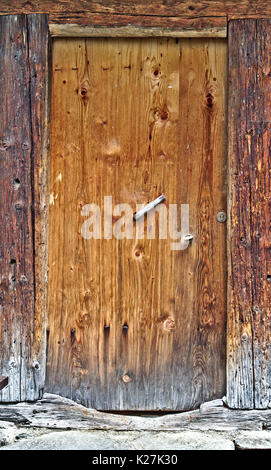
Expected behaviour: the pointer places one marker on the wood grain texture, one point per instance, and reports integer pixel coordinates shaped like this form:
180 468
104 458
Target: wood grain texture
123 124
39 65
183 9
23 138
249 286
176 23
182 29
55 412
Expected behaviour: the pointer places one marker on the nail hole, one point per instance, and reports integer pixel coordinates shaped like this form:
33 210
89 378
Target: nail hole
268 277
13 261
72 336
16 183
106 331
125 330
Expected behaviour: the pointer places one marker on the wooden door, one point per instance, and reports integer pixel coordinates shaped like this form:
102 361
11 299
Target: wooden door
133 324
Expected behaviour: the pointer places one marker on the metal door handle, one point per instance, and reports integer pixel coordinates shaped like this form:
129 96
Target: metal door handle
189 237
149 206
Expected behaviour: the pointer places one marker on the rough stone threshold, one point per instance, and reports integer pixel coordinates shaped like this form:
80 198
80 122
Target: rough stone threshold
59 423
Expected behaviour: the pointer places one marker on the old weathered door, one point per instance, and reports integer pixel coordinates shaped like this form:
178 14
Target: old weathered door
132 323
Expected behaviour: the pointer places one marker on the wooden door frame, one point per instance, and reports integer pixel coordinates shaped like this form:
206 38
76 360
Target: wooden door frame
247 343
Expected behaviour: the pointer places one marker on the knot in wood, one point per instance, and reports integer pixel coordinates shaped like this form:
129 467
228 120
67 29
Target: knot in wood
126 378
169 324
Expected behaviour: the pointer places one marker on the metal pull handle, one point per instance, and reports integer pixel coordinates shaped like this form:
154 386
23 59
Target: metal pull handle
149 206
189 237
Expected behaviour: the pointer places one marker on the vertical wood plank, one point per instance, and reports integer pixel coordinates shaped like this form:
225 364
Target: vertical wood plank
249 255
23 211
201 289
39 65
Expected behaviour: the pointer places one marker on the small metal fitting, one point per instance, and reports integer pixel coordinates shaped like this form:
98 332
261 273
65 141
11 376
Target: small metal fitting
221 216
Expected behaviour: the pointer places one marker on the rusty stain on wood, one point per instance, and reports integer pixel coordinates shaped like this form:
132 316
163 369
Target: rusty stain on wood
23 244
249 227
123 124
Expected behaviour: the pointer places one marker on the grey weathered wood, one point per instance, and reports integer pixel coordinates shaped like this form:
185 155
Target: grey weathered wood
61 413
75 30
253 440
23 213
249 227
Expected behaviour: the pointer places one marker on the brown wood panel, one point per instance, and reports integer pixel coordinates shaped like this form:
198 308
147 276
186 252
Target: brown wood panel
23 139
131 323
249 286
166 23
184 9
